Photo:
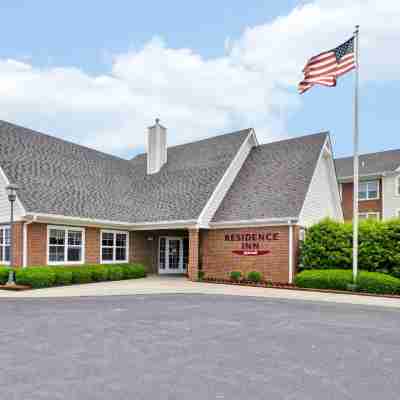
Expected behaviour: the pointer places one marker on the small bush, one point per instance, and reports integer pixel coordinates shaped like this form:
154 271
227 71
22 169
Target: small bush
4 275
100 273
115 273
336 279
254 276
370 282
36 277
375 282
236 276
62 276
201 275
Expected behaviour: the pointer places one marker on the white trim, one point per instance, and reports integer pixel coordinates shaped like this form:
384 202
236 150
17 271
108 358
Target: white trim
290 253
365 177
253 222
167 271
1 228
69 220
114 261
66 229
325 150
227 179
378 187
18 201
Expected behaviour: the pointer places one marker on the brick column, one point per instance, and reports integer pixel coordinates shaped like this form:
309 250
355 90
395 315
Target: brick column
17 244
193 267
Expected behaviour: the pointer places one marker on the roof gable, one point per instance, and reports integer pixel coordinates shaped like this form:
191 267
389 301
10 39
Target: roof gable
62 178
273 181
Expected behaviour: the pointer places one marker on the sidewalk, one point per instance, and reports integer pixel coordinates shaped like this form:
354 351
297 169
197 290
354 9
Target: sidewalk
167 285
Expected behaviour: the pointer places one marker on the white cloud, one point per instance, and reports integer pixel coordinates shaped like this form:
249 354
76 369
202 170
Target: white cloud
253 84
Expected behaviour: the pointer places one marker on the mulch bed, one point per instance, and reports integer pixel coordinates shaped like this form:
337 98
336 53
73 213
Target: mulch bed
289 286
15 287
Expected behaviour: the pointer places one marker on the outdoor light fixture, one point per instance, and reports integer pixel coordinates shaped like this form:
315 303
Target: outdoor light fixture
12 196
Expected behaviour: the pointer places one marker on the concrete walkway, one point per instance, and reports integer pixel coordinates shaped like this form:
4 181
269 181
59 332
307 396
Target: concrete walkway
171 285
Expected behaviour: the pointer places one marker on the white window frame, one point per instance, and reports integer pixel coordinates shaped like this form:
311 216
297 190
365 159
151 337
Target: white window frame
3 229
377 190
66 229
114 247
368 213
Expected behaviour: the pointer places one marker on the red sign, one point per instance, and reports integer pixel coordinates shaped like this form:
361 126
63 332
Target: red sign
251 243
250 252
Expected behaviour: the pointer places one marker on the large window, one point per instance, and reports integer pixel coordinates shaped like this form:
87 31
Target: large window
114 246
65 245
4 244
369 215
368 190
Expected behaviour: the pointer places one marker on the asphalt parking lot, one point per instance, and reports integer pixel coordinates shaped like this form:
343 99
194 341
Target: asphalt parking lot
196 347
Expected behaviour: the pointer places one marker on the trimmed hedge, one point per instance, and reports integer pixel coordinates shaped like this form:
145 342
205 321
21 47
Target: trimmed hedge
4 275
339 279
328 245
40 277
236 276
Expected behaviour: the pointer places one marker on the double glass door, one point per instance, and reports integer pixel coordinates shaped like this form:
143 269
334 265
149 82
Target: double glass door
173 255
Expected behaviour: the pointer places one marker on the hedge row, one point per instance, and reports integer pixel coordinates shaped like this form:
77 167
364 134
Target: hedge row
339 279
328 245
39 277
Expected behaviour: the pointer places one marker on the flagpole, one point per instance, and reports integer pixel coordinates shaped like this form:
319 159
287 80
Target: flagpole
355 161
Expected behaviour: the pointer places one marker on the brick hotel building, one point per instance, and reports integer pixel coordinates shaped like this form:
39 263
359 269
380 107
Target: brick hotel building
219 204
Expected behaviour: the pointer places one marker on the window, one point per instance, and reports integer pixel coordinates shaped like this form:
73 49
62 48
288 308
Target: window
368 190
368 215
4 244
114 247
398 185
65 245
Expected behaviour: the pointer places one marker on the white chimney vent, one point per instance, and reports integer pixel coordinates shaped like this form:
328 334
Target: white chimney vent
156 147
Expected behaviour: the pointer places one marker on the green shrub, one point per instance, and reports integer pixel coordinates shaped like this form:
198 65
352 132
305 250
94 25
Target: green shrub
81 274
62 276
100 273
371 282
336 279
254 276
133 271
115 273
328 245
36 277
236 276
201 275
4 275
375 282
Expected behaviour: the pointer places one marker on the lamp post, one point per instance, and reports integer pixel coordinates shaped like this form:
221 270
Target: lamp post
12 196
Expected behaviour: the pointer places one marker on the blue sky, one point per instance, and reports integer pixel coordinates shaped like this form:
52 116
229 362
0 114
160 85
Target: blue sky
99 72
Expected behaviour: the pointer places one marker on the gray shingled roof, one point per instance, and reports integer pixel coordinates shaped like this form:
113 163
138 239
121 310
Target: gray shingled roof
273 181
372 163
58 177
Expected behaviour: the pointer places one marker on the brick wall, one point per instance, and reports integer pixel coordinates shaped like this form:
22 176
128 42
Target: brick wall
37 244
17 244
363 206
218 259
194 255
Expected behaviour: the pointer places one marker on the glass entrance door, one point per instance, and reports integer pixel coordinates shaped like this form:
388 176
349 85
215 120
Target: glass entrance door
172 255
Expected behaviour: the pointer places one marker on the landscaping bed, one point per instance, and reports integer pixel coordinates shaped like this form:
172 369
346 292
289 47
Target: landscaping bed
49 276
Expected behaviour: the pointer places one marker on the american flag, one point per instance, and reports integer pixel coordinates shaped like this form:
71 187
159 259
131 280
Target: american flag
326 67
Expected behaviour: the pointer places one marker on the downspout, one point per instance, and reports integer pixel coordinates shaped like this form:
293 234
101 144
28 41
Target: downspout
290 251
25 242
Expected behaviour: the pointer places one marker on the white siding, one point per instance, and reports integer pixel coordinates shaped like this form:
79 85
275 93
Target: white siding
227 180
4 203
391 201
323 198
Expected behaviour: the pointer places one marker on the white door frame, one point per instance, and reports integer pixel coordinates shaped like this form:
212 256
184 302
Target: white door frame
167 270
